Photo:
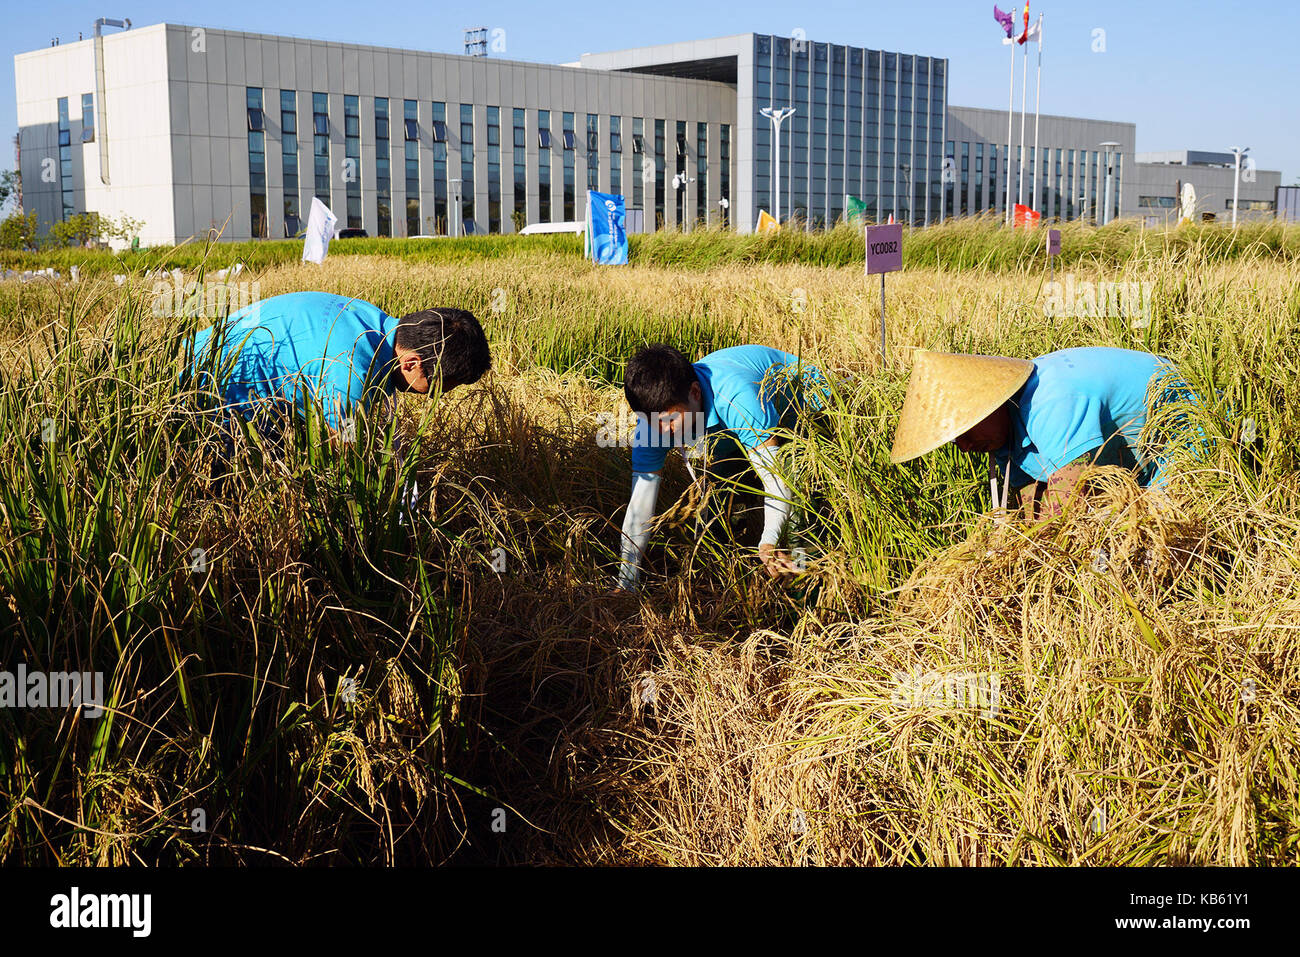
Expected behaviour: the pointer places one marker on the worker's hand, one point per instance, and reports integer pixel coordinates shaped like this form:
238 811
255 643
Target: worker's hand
778 563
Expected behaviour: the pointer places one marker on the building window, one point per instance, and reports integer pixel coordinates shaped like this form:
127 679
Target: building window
88 117
65 158
544 165
702 173
520 210
467 167
410 120
593 151
494 168
680 199
256 164
638 163
659 174
321 145
616 155
352 160
440 213
1163 202
570 185
289 161
724 159
383 169
440 131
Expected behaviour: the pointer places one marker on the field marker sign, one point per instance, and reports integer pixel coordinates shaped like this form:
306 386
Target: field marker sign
1053 250
884 254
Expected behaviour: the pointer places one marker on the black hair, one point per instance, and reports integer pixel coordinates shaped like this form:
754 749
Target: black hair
450 343
657 378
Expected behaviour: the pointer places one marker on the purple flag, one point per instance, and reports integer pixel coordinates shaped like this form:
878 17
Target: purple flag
1008 24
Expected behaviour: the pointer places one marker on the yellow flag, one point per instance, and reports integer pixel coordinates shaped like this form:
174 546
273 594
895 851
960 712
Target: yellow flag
766 223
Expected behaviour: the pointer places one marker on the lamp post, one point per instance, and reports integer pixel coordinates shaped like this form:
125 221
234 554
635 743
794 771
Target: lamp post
1108 146
777 115
907 174
724 204
454 197
1238 152
680 182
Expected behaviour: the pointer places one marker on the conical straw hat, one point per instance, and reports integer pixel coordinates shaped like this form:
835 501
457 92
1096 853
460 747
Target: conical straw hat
948 394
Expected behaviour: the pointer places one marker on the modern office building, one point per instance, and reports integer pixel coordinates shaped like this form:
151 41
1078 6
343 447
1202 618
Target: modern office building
1071 165
866 122
191 130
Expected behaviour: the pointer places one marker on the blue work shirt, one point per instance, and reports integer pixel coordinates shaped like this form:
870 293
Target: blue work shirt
304 346
1079 401
748 390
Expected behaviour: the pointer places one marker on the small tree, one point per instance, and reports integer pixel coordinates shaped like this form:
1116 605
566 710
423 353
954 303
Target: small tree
81 229
11 185
18 231
125 228
519 218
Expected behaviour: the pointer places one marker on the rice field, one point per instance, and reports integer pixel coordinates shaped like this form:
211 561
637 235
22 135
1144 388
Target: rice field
300 667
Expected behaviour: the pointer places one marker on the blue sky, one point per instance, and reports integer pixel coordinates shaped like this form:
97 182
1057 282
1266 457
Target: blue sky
1193 75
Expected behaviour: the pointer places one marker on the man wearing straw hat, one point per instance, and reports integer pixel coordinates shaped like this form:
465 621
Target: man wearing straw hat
1042 421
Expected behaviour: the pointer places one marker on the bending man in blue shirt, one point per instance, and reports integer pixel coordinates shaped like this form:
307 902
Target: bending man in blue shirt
1042 421
281 353
749 391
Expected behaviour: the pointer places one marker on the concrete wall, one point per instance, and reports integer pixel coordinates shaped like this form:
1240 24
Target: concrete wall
139 149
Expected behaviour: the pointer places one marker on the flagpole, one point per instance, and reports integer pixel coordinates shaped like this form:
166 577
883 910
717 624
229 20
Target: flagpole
1011 103
1024 89
1038 96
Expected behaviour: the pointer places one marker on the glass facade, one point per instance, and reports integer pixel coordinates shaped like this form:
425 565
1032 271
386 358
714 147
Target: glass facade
383 169
65 159
520 211
679 194
321 145
467 167
659 174
639 160
494 168
724 160
352 160
256 162
411 136
867 123
616 155
570 147
289 162
439 169
702 173
544 165
593 151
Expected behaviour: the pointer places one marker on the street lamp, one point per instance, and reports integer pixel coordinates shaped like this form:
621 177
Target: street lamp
907 173
777 115
680 182
1238 152
1108 146
724 204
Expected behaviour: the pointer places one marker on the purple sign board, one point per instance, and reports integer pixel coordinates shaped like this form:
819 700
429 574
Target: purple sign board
1053 242
884 248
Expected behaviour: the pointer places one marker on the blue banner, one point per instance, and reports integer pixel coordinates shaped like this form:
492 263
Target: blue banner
606 228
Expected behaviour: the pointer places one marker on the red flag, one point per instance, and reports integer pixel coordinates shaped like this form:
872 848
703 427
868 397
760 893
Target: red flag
1024 37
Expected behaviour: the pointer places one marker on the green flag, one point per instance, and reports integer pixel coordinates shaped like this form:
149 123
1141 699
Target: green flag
854 207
